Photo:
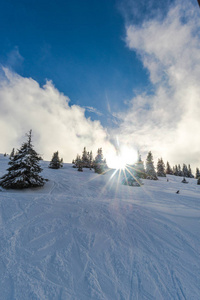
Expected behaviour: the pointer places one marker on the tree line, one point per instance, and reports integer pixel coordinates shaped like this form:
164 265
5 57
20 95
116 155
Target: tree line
24 169
86 161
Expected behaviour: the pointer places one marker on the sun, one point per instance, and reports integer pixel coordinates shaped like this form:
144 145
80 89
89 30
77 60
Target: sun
125 156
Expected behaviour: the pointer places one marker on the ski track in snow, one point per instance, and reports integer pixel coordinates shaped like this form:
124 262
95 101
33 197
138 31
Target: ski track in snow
84 236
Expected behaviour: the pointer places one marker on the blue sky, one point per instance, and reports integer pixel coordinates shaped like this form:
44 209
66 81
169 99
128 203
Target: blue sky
130 68
79 45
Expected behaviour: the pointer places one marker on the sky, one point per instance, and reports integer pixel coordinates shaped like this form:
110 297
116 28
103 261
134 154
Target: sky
100 74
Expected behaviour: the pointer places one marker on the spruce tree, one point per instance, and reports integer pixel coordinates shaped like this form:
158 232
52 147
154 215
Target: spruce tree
197 173
24 168
161 168
133 174
85 159
75 161
175 170
180 173
185 170
56 162
150 170
169 169
139 167
100 165
190 175
132 180
12 154
79 163
91 160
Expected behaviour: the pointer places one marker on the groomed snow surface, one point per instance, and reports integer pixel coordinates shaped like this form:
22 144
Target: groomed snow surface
86 236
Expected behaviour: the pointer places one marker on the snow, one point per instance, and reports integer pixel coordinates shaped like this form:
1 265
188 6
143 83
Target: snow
87 236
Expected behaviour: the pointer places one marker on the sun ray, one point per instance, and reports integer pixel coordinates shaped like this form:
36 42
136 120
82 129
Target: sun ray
113 174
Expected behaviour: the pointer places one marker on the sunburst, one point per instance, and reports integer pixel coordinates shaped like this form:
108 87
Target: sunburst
121 158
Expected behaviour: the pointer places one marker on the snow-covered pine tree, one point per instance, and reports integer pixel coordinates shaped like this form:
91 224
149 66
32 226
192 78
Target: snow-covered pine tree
133 174
85 159
161 168
91 160
139 167
100 165
190 175
169 169
75 161
175 170
79 163
132 180
24 168
185 170
150 170
180 173
12 154
56 162
197 173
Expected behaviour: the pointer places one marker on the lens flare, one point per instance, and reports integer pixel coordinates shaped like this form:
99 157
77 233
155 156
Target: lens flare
125 156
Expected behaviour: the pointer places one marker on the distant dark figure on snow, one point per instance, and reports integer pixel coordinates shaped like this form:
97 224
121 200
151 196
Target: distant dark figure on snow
177 192
80 169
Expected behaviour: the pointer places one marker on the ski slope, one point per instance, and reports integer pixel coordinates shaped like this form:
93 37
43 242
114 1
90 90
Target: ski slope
86 236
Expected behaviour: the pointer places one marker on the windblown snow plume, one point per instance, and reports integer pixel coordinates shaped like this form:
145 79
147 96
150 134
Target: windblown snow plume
56 125
167 120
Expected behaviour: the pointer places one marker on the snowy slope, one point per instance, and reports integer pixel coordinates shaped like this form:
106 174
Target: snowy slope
84 236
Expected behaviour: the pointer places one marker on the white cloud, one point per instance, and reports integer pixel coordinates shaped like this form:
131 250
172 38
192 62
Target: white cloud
14 58
168 121
93 110
56 125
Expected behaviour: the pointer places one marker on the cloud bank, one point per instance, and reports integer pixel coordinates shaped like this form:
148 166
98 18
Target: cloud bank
167 122
56 125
